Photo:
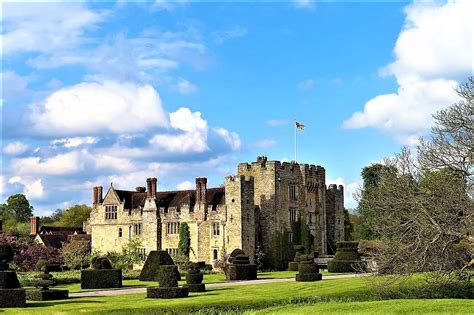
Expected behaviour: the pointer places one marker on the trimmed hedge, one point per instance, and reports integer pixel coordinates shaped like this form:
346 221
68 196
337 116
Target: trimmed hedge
9 280
169 276
346 257
194 278
308 277
101 279
151 269
199 287
308 268
47 295
12 298
167 293
293 266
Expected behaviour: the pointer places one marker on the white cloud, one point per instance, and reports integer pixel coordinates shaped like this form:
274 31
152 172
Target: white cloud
186 185
192 137
15 148
304 4
33 188
74 141
111 162
45 27
267 143
231 138
433 52
225 35
186 87
60 164
306 85
93 108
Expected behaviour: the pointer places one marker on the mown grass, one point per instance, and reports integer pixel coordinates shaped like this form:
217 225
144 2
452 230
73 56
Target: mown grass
346 295
208 278
412 306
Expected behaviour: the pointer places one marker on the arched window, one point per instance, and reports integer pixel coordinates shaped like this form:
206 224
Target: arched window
214 252
120 232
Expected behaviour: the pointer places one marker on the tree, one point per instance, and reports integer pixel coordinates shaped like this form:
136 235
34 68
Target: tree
73 216
451 144
184 245
348 226
76 253
372 176
20 207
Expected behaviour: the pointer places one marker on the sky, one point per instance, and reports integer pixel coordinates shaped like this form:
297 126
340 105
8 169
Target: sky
95 93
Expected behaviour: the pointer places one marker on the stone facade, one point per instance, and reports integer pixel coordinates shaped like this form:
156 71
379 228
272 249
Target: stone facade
264 197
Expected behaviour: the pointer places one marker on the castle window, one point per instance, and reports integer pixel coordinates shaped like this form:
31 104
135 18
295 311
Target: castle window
172 228
216 229
292 191
141 252
120 232
111 212
137 228
214 254
293 215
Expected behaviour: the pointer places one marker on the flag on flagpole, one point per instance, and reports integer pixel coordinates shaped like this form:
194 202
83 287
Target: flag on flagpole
299 126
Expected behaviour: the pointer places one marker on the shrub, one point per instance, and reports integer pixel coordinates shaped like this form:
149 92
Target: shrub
76 254
184 244
155 259
101 279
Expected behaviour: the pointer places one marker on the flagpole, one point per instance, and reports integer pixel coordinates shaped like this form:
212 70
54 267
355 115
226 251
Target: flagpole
295 140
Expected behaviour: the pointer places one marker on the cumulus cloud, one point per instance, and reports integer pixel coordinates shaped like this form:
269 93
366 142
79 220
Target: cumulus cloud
95 108
73 142
193 133
15 148
426 68
60 164
230 138
33 188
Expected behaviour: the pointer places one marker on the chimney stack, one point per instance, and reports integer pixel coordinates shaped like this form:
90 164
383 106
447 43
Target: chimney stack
201 190
96 195
99 194
151 187
35 224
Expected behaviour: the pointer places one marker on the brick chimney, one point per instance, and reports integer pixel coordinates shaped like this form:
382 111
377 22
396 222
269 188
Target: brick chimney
97 195
151 187
35 224
201 190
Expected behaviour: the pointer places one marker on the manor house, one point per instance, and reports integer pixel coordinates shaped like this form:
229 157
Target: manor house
264 197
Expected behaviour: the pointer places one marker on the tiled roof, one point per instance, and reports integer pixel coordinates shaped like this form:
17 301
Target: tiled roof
53 240
55 230
134 200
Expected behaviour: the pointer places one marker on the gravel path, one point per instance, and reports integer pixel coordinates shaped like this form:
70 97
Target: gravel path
208 285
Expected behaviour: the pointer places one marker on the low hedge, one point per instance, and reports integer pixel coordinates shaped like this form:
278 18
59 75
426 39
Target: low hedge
342 266
101 279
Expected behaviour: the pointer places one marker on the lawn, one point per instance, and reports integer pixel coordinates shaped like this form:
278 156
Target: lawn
376 307
208 278
334 295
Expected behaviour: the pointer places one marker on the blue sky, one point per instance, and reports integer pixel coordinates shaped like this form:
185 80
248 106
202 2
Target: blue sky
94 93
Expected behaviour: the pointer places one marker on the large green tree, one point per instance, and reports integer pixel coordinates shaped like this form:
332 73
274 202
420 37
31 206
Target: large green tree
73 216
19 206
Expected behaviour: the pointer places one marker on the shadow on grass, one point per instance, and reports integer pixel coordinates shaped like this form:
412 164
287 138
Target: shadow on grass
71 300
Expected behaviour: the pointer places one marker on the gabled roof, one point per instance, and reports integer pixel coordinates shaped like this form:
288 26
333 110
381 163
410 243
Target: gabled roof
53 240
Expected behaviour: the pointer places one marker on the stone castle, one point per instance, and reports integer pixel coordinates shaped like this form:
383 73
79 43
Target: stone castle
264 197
